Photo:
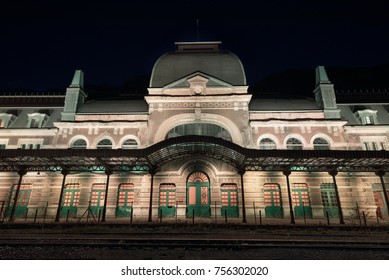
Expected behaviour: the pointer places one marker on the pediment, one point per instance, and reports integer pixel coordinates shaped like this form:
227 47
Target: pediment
197 78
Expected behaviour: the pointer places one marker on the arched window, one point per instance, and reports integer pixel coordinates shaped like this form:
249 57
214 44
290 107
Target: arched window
267 144
104 144
294 144
321 144
79 144
130 144
205 129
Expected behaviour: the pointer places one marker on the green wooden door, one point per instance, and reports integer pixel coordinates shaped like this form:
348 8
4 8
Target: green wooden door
328 199
301 201
273 203
167 200
21 207
97 199
125 200
198 198
70 199
229 196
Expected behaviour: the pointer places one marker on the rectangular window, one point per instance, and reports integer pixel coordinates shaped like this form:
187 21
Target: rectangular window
192 195
30 146
167 195
71 195
204 195
35 123
126 195
97 195
368 119
300 195
229 194
272 195
24 194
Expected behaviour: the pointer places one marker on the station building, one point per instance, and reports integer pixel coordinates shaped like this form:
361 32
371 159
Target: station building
197 147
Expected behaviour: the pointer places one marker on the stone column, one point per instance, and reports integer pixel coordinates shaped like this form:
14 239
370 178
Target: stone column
108 173
241 173
381 174
333 173
64 172
22 171
287 172
152 173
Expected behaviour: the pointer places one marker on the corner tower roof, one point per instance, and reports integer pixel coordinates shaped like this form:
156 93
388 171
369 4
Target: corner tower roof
190 57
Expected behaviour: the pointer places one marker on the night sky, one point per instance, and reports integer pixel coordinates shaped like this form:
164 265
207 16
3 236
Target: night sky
42 42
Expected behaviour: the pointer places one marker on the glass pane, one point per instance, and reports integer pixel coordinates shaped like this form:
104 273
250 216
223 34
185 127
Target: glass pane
104 144
79 144
205 129
192 195
267 144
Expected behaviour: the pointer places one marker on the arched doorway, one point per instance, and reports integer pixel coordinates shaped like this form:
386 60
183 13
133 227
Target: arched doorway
197 195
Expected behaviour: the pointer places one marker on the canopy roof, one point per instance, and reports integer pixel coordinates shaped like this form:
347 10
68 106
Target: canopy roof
154 157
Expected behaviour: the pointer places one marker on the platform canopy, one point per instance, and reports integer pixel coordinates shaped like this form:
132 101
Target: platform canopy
187 147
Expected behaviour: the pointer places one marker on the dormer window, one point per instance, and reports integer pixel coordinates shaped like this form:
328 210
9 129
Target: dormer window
367 116
37 120
6 120
368 119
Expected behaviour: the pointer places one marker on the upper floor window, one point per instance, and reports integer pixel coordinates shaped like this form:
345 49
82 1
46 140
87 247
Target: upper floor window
374 146
366 116
79 144
205 129
30 146
130 144
294 144
6 120
321 144
368 119
37 120
104 144
267 144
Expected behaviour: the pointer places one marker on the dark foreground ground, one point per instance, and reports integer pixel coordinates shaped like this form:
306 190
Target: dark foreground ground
83 242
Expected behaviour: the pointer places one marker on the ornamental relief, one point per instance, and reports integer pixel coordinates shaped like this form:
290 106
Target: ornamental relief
202 105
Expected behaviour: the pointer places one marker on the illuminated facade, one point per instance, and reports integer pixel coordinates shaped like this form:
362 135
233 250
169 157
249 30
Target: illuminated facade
197 147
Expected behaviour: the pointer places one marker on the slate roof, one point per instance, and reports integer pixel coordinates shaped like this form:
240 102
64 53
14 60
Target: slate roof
283 104
114 106
223 65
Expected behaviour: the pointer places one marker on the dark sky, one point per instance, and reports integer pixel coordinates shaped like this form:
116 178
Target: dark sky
43 42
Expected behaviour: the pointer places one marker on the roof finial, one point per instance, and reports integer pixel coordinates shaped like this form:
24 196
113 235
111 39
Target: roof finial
198 30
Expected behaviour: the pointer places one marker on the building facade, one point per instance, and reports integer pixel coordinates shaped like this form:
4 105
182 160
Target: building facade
198 147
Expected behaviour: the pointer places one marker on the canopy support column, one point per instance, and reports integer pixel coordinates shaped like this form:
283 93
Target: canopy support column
22 171
381 174
152 173
64 172
108 173
287 173
333 173
241 173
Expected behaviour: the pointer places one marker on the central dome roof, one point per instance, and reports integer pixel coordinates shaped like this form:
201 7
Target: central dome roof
191 57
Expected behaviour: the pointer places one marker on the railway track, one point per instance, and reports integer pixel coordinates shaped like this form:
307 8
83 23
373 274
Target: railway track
190 243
